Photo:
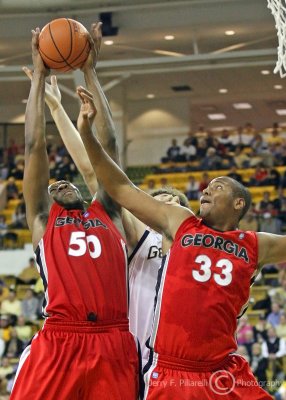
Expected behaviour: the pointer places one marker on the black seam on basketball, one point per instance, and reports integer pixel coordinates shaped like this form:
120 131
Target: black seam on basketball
59 50
51 59
87 42
71 38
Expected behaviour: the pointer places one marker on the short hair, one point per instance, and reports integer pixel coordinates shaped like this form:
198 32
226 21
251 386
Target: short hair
240 190
174 192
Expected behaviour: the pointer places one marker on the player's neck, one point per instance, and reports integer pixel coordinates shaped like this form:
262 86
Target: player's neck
221 226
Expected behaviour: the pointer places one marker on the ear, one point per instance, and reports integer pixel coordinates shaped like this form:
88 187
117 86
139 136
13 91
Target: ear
239 203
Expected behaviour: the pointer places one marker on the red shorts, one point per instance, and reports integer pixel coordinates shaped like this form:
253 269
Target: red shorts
231 380
81 361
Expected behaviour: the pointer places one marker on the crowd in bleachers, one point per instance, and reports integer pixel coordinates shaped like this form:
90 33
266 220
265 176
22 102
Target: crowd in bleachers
11 171
243 148
21 300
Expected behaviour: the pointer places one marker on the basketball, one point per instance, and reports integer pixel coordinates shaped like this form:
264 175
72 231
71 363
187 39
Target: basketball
64 45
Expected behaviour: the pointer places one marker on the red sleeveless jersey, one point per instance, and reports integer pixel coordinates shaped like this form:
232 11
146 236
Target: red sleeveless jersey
82 261
203 287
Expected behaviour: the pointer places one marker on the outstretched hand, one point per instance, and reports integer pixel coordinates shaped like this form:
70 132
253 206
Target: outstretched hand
52 91
39 66
87 110
94 39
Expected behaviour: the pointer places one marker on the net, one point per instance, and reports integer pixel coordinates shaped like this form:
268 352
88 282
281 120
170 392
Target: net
278 10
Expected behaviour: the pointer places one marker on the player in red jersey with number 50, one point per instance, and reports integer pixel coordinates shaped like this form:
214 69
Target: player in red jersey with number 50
85 350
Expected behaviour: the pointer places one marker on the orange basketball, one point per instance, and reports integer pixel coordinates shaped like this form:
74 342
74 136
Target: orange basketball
63 44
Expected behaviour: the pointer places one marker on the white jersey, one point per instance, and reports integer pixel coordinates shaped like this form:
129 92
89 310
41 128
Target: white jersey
144 264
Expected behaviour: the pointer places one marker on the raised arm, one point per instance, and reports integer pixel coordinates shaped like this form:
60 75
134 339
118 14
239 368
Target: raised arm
272 248
36 173
162 217
104 124
68 132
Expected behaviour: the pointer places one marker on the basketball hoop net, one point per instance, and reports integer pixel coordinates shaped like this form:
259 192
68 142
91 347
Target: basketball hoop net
278 10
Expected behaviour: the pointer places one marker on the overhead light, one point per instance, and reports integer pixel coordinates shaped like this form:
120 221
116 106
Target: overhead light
169 37
278 87
108 42
150 96
24 101
265 72
216 117
229 33
223 91
242 106
281 111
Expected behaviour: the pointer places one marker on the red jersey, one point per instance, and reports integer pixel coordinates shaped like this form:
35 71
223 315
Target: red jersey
82 261
203 287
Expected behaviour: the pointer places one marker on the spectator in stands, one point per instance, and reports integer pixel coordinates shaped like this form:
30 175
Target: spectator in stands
274 317
12 189
259 177
173 152
239 138
150 185
14 347
30 306
5 369
226 140
4 291
19 216
262 206
65 170
242 328
249 341
3 230
204 183
201 133
261 149
5 327
249 222
18 172
163 182
241 159
249 129
281 327
258 363
274 349
242 351
279 203
189 151
278 294
202 146
24 331
2 347
269 223
235 175
29 275
275 137
211 161
12 151
261 328
11 306
273 178
192 188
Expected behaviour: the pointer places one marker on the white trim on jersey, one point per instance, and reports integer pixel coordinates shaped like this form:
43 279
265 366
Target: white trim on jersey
124 247
148 375
45 272
23 358
157 312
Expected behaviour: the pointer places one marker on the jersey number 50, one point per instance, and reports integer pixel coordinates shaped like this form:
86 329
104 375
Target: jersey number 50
84 242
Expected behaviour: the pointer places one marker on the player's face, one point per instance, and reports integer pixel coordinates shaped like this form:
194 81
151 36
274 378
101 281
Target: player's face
168 199
217 200
66 194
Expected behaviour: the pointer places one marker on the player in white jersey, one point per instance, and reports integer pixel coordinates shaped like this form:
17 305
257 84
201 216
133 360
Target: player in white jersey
144 263
142 285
